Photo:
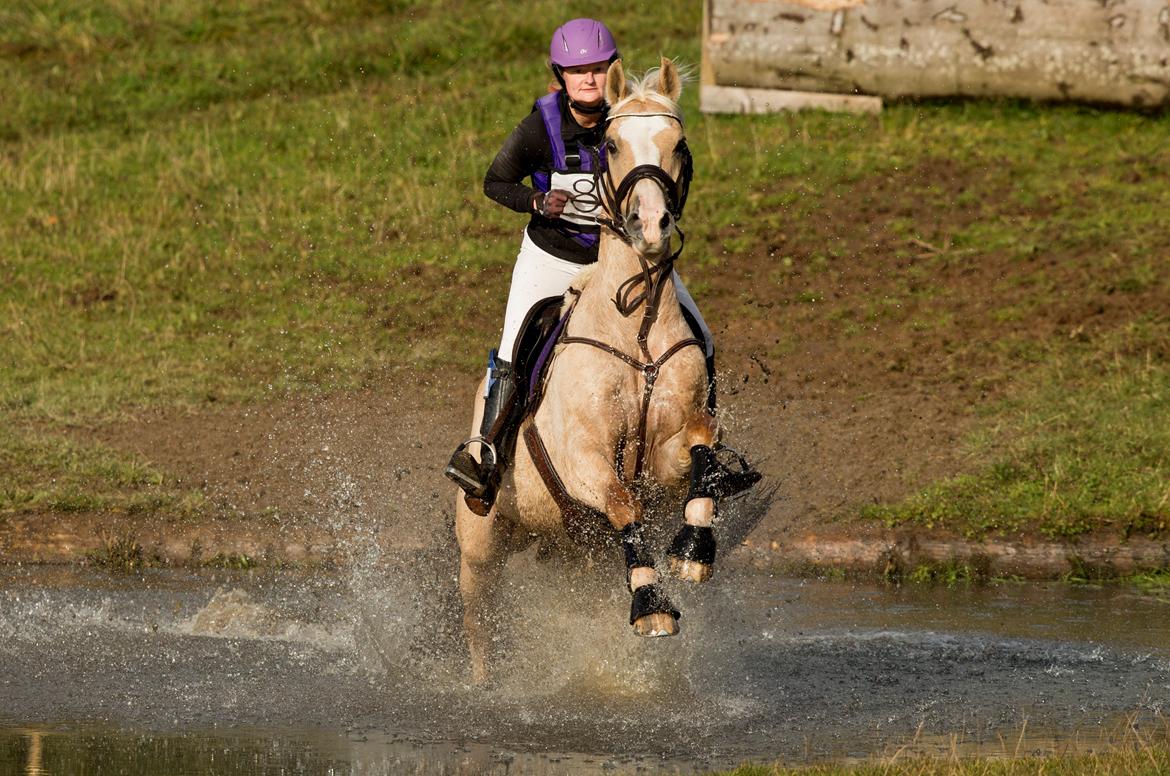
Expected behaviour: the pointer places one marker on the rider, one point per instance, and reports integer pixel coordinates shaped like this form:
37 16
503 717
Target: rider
557 144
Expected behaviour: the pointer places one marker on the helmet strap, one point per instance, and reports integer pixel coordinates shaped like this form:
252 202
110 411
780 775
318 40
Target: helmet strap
587 109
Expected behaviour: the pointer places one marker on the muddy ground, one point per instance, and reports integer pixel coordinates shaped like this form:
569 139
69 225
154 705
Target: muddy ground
839 404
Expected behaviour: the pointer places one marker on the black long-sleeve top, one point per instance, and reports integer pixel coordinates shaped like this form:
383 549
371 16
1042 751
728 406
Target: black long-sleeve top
528 150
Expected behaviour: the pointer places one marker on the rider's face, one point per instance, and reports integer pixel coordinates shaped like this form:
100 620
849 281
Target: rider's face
586 83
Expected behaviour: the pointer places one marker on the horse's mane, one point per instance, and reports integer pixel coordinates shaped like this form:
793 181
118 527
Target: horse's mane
644 87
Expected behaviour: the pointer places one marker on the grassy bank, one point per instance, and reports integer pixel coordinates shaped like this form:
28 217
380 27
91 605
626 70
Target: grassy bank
1082 445
1135 749
207 205
1144 762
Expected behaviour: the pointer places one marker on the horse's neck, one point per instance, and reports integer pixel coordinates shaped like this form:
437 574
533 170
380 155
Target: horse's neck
617 262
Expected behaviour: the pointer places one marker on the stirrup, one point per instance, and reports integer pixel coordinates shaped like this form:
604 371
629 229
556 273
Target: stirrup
732 482
475 478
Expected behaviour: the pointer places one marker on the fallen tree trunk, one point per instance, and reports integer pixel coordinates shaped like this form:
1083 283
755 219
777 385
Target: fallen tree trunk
1107 51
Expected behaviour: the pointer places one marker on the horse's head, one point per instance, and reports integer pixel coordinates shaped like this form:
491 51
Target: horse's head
647 155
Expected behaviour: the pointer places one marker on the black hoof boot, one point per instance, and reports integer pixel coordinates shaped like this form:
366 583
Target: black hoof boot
692 553
652 613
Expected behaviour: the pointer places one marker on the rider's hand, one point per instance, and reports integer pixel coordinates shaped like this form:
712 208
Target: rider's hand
552 204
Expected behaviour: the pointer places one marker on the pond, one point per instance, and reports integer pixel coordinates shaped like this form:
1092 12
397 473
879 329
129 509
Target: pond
363 671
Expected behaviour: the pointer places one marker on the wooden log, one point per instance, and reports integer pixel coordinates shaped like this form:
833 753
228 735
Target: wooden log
734 99
1109 51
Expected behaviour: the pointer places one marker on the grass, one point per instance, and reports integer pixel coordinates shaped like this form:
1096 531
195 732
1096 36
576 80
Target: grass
1156 582
120 553
51 473
1149 761
1137 750
208 203
1084 445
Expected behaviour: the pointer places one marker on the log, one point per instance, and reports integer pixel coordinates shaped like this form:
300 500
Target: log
734 99
1101 51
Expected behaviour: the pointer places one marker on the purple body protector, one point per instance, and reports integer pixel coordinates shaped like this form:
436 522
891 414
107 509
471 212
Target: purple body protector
550 111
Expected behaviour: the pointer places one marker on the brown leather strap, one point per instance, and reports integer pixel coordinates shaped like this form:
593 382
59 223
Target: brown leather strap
573 512
650 375
610 349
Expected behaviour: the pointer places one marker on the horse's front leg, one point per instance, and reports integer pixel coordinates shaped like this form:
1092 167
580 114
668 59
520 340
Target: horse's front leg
692 553
651 612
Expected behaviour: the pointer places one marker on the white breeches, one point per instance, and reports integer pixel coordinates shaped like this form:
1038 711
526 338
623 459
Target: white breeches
539 275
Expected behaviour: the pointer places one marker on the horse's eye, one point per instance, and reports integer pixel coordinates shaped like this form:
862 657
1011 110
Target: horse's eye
610 147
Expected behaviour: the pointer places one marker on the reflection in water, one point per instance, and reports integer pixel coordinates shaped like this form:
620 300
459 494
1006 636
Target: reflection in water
32 765
111 752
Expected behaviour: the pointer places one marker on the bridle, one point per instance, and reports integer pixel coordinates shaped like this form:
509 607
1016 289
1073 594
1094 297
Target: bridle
613 199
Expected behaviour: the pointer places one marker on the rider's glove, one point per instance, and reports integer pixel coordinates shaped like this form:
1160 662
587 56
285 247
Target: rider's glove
552 204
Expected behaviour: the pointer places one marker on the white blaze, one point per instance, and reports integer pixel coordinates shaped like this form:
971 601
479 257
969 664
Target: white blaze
639 134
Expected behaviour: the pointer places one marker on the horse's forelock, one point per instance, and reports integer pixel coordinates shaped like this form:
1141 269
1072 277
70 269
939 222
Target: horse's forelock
644 88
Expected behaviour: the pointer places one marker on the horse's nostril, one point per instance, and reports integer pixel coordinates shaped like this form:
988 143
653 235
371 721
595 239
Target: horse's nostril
664 222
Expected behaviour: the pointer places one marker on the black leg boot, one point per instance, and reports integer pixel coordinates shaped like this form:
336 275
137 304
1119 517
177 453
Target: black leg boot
480 479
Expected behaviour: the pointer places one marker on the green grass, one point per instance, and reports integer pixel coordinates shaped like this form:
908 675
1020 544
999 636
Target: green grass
51 473
208 203
120 553
1084 445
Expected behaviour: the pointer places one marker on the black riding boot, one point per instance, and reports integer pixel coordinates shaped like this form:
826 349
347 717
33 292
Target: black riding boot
480 479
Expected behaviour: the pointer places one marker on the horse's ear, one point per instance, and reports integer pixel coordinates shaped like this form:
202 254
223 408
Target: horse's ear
616 88
669 82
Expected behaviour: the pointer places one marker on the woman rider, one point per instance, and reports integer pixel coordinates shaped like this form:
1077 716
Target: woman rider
557 145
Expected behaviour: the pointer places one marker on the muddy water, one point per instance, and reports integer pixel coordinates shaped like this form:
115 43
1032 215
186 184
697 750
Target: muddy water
363 672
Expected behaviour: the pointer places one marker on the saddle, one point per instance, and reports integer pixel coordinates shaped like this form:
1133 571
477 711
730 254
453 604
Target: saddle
539 335
530 359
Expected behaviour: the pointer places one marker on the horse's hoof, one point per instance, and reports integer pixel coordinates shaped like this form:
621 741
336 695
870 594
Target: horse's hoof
657 624
690 570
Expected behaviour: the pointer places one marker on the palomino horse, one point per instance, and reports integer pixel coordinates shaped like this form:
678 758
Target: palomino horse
625 394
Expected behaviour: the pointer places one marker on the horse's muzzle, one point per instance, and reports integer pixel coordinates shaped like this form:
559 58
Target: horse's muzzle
635 230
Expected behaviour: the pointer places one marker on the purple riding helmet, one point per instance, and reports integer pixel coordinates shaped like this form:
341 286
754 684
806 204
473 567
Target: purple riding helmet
581 42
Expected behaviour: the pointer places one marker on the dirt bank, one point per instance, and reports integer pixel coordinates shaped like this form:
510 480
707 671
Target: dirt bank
328 480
